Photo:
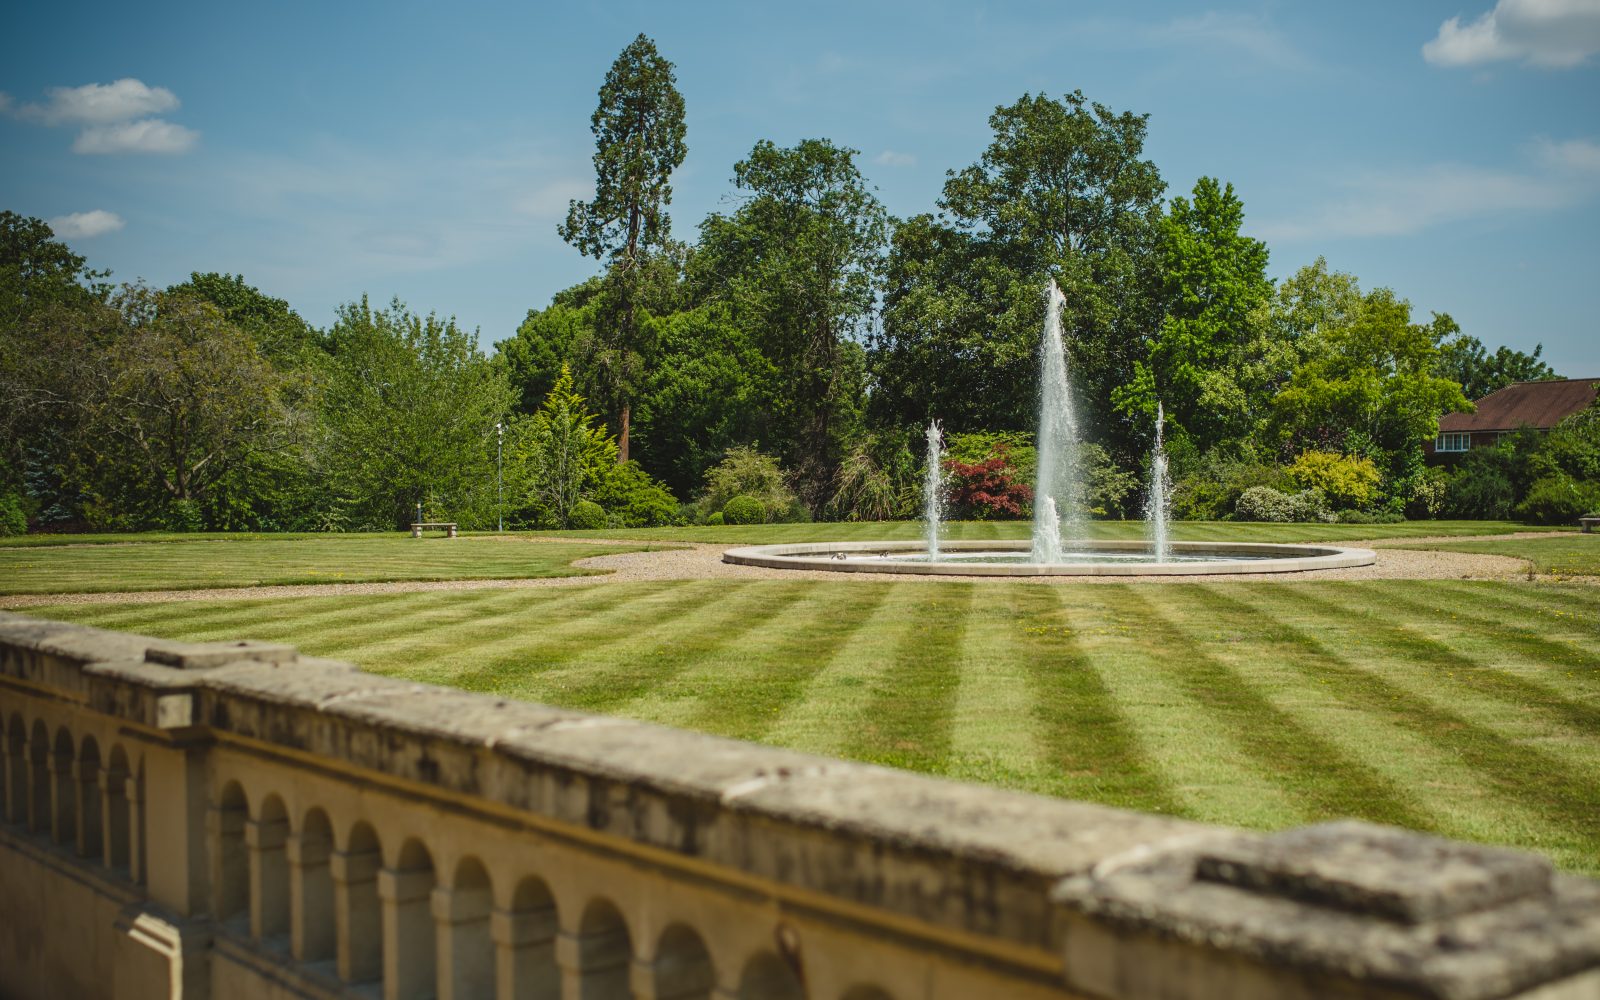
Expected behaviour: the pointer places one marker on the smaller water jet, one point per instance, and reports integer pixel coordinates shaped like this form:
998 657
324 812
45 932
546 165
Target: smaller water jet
933 489
1158 505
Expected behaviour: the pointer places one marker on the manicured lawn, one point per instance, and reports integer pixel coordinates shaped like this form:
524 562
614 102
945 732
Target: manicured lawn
1187 530
194 565
1468 709
1565 555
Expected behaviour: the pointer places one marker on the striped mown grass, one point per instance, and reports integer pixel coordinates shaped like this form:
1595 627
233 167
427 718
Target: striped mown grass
302 559
1469 709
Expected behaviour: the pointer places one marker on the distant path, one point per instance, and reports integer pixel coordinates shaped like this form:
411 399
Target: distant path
704 562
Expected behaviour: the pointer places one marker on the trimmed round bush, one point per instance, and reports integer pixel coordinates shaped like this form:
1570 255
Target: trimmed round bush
1263 503
1559 499
715 517
587 515
744 509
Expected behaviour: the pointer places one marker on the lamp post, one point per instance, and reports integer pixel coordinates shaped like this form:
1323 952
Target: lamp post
499 482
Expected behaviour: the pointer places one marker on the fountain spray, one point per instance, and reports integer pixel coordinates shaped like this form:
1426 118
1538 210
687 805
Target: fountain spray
1056 494
1158 505
933 489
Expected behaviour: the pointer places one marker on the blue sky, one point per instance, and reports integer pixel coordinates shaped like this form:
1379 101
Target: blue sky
427 150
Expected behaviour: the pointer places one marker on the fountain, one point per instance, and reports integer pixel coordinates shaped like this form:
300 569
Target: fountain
1158 505
1057 546
933 490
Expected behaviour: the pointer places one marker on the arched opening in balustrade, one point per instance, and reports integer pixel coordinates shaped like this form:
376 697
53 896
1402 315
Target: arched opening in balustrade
314 930
863 992
466 951
358 909
410 959
64 829
682 969
232 867
139 807
118 818
766 976
39 779
91 835
17 762
269 873
533 926
604 950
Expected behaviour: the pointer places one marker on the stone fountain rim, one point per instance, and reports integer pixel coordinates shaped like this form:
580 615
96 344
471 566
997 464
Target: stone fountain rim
835 557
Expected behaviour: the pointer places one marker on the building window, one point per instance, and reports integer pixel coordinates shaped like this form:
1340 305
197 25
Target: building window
1453 441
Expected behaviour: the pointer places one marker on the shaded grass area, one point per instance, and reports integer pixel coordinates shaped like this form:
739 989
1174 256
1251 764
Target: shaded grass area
1196 531
313 559
1563 555
1470 709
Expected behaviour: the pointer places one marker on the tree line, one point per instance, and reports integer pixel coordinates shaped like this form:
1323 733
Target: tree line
792 351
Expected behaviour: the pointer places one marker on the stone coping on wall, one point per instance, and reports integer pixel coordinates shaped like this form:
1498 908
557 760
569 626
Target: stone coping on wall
1347 909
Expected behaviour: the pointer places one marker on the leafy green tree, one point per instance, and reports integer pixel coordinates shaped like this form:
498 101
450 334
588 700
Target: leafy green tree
745 471
639 132
168 408
558 456
409 407
1464 359
282 335
1061 192
1367 382
1214 285
37 270
797 264
546 339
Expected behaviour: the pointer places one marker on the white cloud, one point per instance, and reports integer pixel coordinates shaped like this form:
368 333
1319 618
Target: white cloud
1556 34
101 103
1579 155
148 135
5 103
1406 201
86 225
890 158
1239 32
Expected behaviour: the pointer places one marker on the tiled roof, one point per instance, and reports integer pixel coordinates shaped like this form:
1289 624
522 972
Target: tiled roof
1525 404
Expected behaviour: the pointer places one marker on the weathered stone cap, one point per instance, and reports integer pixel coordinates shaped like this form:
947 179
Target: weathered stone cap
1348 908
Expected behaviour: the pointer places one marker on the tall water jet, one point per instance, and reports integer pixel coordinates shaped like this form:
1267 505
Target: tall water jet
933 489
1158 505
1056 491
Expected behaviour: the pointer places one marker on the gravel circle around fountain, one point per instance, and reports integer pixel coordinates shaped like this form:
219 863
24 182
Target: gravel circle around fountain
704 562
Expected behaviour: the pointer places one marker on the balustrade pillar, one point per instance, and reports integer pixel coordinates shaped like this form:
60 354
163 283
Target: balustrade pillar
525 954
63 799
312 900
594 964
269 891
466 953
408 934
116 819
358 922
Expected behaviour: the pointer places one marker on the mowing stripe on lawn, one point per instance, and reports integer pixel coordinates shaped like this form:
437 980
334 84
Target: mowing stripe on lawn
1199 761
907 720
1314 771
1086 741
1565 800
993 734
652 660
519 670
831 704
738 689
1465 671
363 634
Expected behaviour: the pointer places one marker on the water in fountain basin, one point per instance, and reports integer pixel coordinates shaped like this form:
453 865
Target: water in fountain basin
1158 505
1056 489
933 488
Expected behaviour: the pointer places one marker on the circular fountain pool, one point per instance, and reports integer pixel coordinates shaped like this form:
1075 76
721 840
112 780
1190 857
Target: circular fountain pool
1014 558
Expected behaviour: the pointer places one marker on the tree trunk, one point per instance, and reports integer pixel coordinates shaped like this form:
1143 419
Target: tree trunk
622 438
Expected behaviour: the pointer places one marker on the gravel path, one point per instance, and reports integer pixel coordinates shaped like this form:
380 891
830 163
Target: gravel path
704 562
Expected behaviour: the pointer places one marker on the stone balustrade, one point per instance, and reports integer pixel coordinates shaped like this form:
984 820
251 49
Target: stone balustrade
234 820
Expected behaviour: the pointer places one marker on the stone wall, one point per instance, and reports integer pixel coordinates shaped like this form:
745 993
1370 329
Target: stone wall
233 820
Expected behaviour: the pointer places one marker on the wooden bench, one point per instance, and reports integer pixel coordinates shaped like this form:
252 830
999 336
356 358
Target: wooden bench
1588 524
449 528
